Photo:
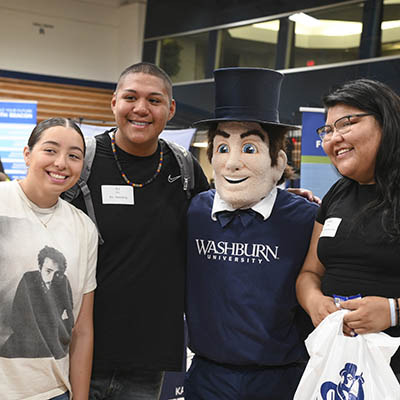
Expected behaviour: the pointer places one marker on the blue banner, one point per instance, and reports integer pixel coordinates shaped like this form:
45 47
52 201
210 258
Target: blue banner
311 144
17 119
18 112
317 172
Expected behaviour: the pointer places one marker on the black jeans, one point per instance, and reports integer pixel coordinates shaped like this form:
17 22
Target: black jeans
135 384
64 396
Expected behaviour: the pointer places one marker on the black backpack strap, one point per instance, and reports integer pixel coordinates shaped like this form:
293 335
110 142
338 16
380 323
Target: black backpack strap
87 197
186 165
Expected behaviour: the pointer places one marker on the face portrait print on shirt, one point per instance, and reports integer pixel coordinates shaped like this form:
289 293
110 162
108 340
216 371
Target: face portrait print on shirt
39 312
242 164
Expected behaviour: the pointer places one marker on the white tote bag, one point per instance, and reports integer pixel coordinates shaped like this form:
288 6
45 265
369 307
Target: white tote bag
348 368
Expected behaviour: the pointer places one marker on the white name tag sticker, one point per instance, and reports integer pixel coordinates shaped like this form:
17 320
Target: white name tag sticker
330 228
116 194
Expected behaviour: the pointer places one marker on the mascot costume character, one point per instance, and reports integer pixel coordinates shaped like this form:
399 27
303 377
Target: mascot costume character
246 244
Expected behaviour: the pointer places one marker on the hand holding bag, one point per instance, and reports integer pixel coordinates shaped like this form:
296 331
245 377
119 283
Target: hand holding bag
348 368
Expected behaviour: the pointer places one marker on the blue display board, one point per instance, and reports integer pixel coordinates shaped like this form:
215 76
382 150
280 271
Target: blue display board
316 173
17 119
173 386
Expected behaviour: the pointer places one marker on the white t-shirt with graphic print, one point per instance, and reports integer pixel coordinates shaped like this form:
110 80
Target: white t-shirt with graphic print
47 263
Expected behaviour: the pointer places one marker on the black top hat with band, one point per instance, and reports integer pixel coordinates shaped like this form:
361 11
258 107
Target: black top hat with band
248 95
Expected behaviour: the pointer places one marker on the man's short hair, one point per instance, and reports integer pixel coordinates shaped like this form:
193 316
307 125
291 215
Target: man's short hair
150 69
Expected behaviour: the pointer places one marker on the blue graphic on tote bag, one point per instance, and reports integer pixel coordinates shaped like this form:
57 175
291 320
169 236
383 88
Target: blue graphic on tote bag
349 388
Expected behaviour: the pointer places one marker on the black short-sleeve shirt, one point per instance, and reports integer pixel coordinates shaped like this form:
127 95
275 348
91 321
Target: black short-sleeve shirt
139 300
357 255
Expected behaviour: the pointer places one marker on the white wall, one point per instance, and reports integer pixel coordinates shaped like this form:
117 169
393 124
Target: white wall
89 39
130 34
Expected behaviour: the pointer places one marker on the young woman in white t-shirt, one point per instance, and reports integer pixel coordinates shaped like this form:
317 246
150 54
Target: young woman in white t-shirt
48 254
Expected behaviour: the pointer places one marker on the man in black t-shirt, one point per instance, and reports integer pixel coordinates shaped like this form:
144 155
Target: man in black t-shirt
140 208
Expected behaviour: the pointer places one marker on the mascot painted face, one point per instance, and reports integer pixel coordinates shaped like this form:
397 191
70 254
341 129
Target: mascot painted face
242 164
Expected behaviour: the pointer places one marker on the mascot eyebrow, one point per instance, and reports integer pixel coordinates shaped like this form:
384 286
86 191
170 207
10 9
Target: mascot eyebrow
243 135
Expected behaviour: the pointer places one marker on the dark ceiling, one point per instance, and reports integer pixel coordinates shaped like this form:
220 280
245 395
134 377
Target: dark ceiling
165 17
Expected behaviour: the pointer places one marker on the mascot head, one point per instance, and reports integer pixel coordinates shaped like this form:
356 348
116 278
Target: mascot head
246 139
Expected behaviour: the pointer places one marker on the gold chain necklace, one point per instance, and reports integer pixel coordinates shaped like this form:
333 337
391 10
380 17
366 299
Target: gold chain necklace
44 222
51 210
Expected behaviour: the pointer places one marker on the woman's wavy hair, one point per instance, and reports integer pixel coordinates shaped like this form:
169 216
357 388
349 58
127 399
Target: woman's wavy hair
383 103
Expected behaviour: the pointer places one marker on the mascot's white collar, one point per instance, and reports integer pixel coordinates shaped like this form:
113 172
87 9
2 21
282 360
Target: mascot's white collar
264 206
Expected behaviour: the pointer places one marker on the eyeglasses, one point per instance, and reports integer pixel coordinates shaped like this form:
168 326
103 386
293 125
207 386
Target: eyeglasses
342 125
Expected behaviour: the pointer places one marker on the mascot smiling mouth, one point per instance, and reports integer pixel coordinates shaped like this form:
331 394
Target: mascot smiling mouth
232 180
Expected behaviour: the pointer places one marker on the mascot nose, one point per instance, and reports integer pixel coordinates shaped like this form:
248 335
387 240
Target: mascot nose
234 161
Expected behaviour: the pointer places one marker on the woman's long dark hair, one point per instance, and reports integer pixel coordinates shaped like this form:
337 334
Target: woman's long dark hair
380 100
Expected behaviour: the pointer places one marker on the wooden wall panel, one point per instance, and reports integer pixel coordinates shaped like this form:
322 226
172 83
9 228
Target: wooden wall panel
87 104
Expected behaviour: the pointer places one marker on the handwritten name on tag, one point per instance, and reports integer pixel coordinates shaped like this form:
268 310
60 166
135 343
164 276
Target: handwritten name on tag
330 228
116 194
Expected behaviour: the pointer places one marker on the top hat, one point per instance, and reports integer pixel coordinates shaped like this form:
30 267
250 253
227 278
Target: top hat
349 368
248 95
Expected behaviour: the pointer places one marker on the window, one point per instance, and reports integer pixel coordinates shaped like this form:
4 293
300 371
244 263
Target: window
390 28
248 46
184 58
327 36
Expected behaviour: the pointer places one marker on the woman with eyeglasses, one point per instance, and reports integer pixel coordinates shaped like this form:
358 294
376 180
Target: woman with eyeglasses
355 246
